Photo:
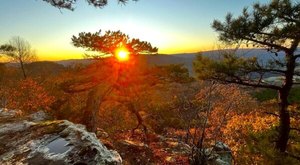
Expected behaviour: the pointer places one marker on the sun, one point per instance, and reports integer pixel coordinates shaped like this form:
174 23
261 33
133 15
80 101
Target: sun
122 55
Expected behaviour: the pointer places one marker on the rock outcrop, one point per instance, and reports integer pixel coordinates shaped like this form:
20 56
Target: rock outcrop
219 154
135 152
32 139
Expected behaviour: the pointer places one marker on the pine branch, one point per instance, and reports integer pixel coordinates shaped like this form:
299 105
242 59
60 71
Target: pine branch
242 82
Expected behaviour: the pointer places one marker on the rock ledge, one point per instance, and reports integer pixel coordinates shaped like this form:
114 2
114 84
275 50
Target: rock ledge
34 140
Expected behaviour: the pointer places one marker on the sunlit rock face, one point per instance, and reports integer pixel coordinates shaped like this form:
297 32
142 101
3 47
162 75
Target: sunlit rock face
34 140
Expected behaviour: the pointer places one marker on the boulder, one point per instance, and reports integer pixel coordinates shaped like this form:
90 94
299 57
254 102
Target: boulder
33 140
135 152
177 147
219 154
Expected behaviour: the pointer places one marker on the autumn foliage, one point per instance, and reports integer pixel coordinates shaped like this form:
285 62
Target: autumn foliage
26 95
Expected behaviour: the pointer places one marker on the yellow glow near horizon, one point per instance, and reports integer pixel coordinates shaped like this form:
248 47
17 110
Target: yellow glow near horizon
165 46
49 54
122 55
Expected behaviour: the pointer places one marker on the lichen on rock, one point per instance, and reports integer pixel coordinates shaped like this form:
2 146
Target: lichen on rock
33 140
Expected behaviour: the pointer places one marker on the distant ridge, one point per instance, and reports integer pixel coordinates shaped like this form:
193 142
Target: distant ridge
187 58
70 62
182 58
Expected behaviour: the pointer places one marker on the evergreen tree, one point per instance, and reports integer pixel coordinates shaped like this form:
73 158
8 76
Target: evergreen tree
274 26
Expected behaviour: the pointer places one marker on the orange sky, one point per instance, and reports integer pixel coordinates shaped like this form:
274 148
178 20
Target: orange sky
174 26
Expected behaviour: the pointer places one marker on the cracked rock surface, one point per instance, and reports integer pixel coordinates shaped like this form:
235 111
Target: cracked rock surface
33 139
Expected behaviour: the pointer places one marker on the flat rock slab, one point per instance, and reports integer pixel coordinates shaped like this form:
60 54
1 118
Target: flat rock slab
34 140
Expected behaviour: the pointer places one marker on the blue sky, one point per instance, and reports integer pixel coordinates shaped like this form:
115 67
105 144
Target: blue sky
174 26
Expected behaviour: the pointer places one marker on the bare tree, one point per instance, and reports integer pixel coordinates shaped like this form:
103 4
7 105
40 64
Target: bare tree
19 50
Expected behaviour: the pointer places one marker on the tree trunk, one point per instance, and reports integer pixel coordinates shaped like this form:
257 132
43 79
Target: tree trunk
23 69
284 122
140 123
93 104
284 116
139 119
90 117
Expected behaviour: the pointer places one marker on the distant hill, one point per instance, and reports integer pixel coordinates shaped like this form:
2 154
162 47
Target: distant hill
187 58
153 60
43 68
70 62
161 59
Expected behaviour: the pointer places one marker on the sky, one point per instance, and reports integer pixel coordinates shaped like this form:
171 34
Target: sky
174 26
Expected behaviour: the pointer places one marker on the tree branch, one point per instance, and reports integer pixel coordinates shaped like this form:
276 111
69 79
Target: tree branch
296 56
269 70
295 129
271 34
69 89
266 43
270 113
292 155
241 82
